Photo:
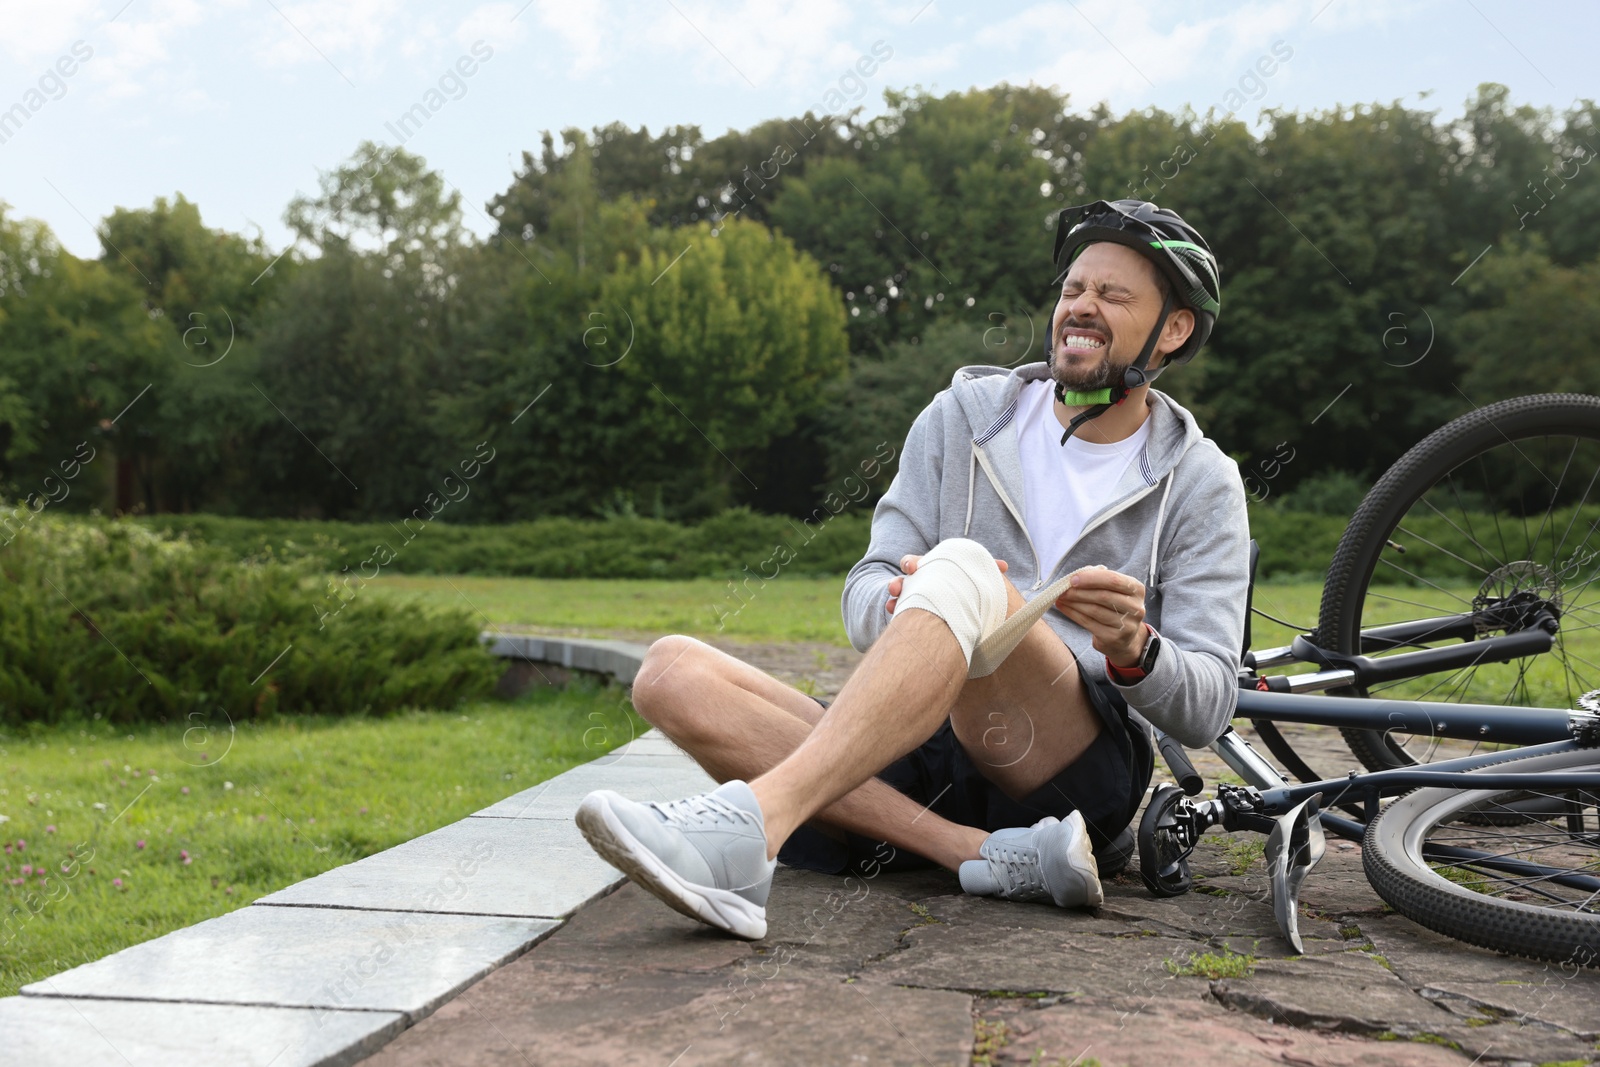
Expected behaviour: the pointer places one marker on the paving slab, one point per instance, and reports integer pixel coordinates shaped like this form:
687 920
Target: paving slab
637 779
531 868
1350 992
628 982
73 1032
838 925
324 958
1478 984
1162 1033
979 944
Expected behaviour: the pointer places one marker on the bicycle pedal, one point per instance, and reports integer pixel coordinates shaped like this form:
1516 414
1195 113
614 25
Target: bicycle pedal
1295 845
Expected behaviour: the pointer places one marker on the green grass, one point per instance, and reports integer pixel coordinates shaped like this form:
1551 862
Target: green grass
794 608
786 609
1242 854
1471 880
1226 964
289 799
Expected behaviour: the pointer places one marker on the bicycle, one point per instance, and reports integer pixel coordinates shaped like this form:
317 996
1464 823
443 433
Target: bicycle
1491 830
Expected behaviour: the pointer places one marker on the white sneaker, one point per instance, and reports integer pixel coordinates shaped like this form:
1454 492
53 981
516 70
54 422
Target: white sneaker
1049 861
705 855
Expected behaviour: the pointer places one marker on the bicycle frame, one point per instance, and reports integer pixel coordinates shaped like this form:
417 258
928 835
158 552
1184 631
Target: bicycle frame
1468 722
1462 773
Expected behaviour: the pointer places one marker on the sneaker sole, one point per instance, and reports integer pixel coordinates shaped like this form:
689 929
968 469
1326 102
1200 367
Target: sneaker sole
1081 859
714 907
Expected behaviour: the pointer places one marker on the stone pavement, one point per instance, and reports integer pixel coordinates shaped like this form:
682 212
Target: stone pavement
504 939
904 969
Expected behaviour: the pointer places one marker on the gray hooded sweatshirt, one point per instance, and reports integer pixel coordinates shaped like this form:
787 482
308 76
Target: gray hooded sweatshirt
1176 522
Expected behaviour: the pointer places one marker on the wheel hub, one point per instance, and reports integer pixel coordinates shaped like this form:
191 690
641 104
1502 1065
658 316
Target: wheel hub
1514 596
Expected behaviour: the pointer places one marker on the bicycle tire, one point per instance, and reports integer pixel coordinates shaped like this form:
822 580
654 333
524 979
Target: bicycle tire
1396 869
1391 498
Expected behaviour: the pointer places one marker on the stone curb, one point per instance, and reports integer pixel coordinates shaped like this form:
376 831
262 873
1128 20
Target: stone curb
326 971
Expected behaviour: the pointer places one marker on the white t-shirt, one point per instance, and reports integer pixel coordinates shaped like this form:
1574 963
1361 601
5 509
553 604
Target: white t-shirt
1063 485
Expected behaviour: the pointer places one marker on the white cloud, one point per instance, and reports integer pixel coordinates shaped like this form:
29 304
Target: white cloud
494 23
582 29
1126 54
39 30
348 36
760 43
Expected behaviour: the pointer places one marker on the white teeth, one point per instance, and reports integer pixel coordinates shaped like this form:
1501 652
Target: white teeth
1075 341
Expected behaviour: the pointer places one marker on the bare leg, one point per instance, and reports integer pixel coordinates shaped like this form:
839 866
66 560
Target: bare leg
738 722
908 683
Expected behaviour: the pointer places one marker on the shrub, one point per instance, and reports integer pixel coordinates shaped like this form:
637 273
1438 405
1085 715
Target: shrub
1332 493
114 620
1294 544
617 547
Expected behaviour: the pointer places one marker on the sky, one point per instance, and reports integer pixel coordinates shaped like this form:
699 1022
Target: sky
240 104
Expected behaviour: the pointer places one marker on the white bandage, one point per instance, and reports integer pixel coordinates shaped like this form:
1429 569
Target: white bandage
965 589
960 582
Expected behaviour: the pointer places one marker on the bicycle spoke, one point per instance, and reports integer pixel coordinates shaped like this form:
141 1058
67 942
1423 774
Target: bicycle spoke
1479 865
1424 581
1556 492
1466 517
1471 537
1418 537
1433 608
1567 673
1494 512
1577 511
1521 680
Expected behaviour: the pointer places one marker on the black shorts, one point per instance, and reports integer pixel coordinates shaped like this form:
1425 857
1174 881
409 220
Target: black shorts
1106 783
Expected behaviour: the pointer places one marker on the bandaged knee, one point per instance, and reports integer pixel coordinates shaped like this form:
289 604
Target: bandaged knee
960 582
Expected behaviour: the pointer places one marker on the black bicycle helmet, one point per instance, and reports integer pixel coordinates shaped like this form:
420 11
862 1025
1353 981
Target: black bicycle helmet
1178 252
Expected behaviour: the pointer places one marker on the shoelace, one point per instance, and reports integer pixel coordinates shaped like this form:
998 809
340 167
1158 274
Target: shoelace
1021 865
697 811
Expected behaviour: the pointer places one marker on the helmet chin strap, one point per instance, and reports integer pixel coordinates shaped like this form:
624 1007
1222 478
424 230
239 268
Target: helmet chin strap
1103 400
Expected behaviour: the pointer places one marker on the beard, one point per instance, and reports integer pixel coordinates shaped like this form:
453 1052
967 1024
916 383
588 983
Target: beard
1084 372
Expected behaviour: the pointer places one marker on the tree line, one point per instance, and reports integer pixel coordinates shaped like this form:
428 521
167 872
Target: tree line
669 325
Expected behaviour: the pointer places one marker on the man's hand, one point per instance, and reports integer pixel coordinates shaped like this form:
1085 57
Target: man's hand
1111 607
909 565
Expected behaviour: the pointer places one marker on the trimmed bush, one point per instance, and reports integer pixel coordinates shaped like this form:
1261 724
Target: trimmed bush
121 622
1295 545
618 547
1292 544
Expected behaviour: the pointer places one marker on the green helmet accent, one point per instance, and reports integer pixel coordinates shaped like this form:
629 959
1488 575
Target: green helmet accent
1073 399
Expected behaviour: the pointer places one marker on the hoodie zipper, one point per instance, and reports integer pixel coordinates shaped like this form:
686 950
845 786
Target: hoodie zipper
1038 568
1100 521
983 461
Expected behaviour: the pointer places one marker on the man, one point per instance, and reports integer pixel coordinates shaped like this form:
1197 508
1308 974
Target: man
995 721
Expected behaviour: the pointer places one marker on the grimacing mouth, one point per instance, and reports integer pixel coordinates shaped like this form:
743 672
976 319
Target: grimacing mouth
1069 331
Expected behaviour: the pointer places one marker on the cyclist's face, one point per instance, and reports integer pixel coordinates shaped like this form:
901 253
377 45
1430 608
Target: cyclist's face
1108 305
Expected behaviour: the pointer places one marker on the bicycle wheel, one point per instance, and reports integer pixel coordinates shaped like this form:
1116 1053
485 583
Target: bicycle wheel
1493 517
1548 911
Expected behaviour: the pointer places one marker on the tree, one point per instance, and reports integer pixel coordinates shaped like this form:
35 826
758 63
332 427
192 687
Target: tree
209 287
943 207
78 347
360 344
700 349
1535 326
